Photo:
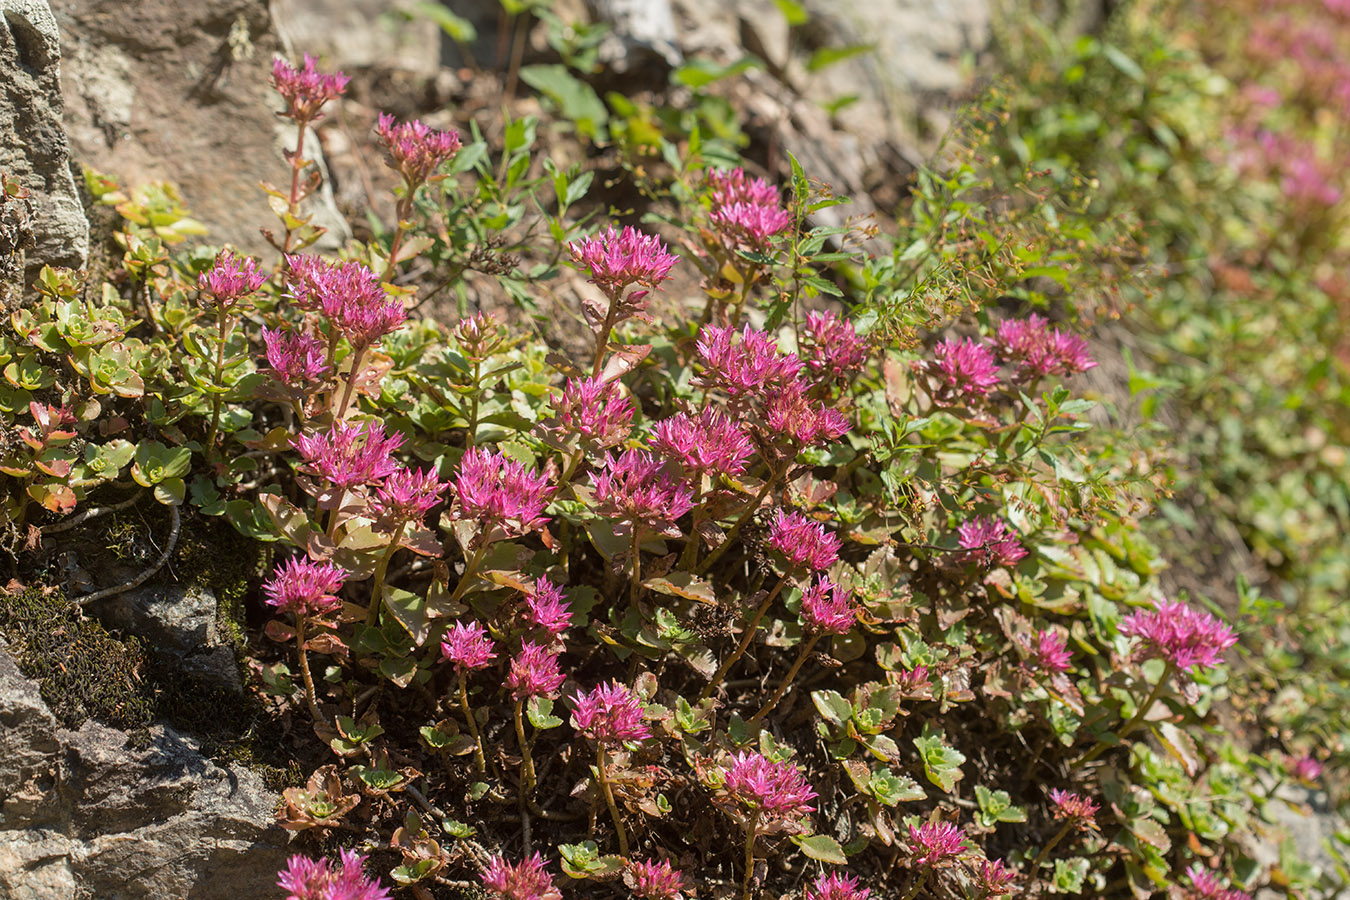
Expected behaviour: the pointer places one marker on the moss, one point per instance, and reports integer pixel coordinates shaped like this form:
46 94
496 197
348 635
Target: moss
214 555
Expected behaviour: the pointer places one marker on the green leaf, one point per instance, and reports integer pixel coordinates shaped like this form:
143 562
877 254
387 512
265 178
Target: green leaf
409 610
793 11
1069 875
891 789
822 847
941 763
460 30
540 710
576 99
996 806
699 73
832 706
828 56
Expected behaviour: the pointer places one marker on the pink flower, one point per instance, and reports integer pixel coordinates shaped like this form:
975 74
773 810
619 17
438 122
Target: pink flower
545 607
467 646
745 366
995 878
1186 638
231 278
654 880
478 335
407 495
414 150
706 443
793 415
935 843
307 879
828 608
834 886
991 541
349 295
750 225
1074 808
305 588
297 359
914 681
634 486
1037 350
305 89
1051 653
597 411
610 715
619 259
501 494
1208 887
525 880
348 455
806 544
961 370
534 672
836 351
728 186
776 790
1305 768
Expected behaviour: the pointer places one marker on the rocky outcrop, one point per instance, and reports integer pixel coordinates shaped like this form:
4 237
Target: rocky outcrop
33 146
92 813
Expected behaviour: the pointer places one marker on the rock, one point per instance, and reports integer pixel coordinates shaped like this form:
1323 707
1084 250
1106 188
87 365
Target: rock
34 148
642 31
89 813
350 34
178 91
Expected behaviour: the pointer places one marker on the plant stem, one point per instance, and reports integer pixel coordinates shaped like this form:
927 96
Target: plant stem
635 586
602 337
474 400
341 412
221 322
1134 720
373 611
749 856
746 637
1045 851
479 757
797 664
333 516
403 210
297 165
745 517
918 885
303 660
609 800
471 565
526 761
689 558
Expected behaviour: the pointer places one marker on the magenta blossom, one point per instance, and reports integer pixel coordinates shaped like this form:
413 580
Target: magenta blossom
750 225
936 843
654 880
545 607
297 359
728 186
349 294
791 414
1305 768
990 541
1207 886
835 350
995 878
609 715
534 672
828 608
703 444
305 89
504 496
835 886
230 279
414 150
596 411
1050 652
806 544
1074 808
1187 638
1039 350
773 790
525 880
914 681
467 646
619 259
305 588
347 455
744 362
308 879
407 495
961 370
636 487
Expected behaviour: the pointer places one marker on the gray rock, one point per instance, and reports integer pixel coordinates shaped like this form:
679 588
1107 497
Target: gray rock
353 34
87 813
33 145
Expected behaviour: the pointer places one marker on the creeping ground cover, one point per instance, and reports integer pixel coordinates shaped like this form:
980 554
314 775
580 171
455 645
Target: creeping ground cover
803 566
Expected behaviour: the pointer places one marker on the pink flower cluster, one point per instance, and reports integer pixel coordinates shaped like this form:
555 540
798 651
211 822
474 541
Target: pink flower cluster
297 358
466 646
967 370
834 886
635 486
596 411
804 543
936 843
609 715
545 608
774 790
1074 808
534 672
828 608
407 495
305 588
347 454
230 279
308 879
1050 652
990 541
526 880
507 499
1038 350
1208 887
834 350
1305 768
348 294
995 878
415 150
1185 637
960 370
706 443
744 362
305 89
619 259
654 880
746 211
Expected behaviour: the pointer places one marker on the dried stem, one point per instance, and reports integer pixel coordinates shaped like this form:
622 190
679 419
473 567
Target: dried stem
303 659
526 761
746 637
609 799
750 831
1134 720
1045 851
479 757
745 517
797 664
373 611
